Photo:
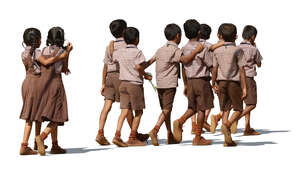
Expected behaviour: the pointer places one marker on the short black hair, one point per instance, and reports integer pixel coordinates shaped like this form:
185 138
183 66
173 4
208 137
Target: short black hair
205 31
228 32
191 28
249 31
171 31
117 27
131 34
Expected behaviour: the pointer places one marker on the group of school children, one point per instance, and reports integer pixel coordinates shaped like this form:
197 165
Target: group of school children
225 68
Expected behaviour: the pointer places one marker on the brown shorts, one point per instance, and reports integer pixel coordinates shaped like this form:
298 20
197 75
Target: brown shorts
132 96
230 93
166 98
199 94
251 98
111 90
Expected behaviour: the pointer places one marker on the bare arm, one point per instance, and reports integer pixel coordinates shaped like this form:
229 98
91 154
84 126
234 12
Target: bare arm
104 74
243 82
51 60
214 78
149 62
184 78
189 58
215 46
142 72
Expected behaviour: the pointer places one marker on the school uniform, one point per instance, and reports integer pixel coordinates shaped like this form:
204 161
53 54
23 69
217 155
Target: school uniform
30 86
228 59
252 57
131 87
198 83
167 72
53 101
112 84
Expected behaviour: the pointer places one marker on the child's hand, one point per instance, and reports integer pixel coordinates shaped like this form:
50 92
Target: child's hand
102 89
185 90
216 89
67 71
148 77
244 94
69 47
221 43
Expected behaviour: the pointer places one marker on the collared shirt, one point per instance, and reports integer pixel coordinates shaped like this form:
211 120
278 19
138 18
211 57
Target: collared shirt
33 64
228 58
128 58
167 65
112 66
199 67
48 52
252 58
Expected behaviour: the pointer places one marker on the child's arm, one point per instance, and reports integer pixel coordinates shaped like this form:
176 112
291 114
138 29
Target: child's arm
111 47
214 75
104 74
215 46
51 60
142 72
189 58
149 62
184 78
65 67
243 82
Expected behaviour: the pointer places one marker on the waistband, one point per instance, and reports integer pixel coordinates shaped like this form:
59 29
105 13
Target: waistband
202 78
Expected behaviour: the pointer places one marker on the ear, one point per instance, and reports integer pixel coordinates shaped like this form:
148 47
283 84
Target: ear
137 41
219 36
253 37
236 37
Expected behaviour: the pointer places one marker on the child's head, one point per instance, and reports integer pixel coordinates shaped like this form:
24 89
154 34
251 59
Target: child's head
192 29
32 38
131 36
56 36
117 28
205 31
249 33
173 33
227 32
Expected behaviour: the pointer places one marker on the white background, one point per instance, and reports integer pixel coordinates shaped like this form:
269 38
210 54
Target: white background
86 26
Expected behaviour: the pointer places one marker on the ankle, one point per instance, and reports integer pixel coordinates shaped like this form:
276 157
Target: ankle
101 132
43 136
156 129
23 144
54 143
133 134
118 134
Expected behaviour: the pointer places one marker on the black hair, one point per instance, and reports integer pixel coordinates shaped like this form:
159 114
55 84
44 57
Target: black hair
171 31
32 37
249 31
205 31
228 32
131 34
191 28
56 36
117 27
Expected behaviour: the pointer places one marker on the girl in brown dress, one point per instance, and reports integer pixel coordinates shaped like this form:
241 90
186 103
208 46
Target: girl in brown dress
54 99
31 89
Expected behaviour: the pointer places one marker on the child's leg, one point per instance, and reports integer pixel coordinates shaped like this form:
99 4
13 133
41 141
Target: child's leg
248 130
40 139
162 118
193 124
177 124
38 126
133 141
247 110
25 150
103 116
225 128
117 139
130 118
206 125
167 114
198 140
214 119
56 149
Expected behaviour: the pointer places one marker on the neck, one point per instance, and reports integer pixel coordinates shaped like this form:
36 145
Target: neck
194 39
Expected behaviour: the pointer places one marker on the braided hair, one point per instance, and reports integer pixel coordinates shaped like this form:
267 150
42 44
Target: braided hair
56 36
32 37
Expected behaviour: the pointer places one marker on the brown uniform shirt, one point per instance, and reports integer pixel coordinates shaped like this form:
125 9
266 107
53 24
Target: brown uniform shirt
167 65
59 64
252 57
199 67
37 53
128 58
228 58
112 66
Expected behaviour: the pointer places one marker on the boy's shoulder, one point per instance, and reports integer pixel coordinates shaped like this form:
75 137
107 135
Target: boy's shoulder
228 48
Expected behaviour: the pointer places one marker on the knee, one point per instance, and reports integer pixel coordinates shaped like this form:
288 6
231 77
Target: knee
138 113
166 112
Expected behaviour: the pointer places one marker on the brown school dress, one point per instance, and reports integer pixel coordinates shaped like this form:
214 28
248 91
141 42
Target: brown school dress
53 102
30 86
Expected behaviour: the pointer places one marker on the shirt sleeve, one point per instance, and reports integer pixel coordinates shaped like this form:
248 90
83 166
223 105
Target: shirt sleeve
107 57
208 57
140 58
215 61
176 56
258 57
37 54
240 58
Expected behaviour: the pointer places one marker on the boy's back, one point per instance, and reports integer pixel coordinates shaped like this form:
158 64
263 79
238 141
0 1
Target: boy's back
119 43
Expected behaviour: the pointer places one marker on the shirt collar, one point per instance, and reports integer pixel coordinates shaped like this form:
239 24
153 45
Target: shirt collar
229 43
131 46
202 40
246 42
171 43
119 39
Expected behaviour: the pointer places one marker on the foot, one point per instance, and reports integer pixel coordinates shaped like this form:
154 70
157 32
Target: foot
206 126
229 144
193 129
199 140
25 150
177 127
57 150
102 140
119 142
40 145
135 142
233 127
250 132
227 134
35 146
142 137
213 123
171 139
153 137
